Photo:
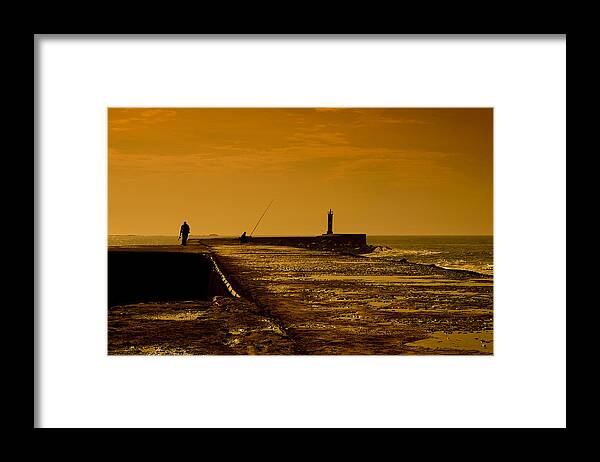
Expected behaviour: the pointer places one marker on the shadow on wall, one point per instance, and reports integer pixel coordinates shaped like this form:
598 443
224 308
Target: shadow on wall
136 277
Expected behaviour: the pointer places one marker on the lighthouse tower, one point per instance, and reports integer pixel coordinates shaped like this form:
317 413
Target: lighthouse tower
330 222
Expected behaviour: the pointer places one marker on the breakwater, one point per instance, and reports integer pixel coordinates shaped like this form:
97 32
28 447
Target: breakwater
178 300
344 243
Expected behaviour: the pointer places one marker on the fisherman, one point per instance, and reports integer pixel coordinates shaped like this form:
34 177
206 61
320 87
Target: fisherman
183 233
243 238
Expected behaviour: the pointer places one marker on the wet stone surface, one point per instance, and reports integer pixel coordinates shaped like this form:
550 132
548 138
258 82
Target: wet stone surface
223 326
299 301
330 303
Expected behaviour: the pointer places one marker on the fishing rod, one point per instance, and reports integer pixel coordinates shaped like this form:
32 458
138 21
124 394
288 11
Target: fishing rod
261 217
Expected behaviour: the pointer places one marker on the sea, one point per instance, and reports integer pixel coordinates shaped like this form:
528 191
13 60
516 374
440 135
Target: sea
473 253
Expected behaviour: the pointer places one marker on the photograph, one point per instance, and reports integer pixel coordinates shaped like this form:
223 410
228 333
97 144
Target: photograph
356 231
300 231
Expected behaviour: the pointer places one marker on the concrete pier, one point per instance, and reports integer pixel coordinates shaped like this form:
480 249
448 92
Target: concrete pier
343 243
291 300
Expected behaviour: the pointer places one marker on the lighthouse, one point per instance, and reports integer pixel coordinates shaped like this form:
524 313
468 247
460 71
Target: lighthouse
330 222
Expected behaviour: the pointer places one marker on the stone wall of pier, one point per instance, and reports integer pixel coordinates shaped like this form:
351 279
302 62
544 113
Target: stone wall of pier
335 242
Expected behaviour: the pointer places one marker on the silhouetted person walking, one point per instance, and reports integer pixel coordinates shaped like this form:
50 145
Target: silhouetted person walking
184 232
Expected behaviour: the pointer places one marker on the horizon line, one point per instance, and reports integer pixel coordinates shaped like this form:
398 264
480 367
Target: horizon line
303 235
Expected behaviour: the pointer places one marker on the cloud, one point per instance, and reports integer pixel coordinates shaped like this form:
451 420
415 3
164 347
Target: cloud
129 119
318 138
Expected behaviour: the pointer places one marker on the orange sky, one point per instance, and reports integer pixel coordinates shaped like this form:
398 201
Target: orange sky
382 171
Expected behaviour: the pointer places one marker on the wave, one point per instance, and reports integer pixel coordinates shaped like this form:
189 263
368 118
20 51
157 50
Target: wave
382 251
432 257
